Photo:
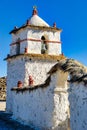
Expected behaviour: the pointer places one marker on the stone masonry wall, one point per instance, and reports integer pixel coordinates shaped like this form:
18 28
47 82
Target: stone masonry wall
44 108
20 69
78 106
34 45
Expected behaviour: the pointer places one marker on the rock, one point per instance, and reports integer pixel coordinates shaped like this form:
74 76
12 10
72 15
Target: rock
3 88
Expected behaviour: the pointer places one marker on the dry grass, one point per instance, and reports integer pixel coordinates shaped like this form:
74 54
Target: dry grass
77 71
38 56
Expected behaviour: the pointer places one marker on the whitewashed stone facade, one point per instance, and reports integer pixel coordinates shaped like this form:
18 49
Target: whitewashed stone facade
30 36
31 39
20 68
46 107
19 64
78 106
43 108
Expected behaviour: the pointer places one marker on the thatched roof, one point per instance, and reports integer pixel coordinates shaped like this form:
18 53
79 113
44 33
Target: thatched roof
77 71
38 56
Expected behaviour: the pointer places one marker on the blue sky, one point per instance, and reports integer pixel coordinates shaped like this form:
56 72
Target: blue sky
69 15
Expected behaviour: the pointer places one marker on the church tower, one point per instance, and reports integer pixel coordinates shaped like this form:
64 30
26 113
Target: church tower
35 48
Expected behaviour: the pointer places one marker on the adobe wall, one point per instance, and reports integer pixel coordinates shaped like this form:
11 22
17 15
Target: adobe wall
44 108
78 106
19 69
31 39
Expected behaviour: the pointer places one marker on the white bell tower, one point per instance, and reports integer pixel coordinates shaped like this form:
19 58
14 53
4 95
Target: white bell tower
36 36
35 48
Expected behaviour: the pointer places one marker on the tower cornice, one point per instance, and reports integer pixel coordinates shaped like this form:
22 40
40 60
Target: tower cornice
38 57
16 30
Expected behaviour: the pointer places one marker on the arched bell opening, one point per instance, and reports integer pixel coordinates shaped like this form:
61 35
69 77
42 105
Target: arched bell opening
44 45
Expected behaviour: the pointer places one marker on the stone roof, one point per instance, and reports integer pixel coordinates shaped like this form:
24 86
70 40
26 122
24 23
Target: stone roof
3 88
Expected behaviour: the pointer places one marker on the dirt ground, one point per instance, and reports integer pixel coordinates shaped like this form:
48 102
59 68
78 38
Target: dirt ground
2 105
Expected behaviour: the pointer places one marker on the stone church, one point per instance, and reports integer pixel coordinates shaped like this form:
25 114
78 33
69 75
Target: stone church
38 76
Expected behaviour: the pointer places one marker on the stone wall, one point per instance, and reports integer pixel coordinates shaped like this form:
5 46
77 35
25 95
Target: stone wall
19 69
3 88
31 39
78 106
44 107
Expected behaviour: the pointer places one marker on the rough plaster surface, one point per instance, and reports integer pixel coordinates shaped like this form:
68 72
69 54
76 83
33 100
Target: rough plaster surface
42 108
20 69
78 106
45 108
37 21
35 46
15 72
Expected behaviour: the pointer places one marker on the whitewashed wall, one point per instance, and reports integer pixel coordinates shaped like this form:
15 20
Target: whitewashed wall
13 50
20 68
21 34
23 45
49 35
54 48
42 108
15 72
78 106
37 69
35 46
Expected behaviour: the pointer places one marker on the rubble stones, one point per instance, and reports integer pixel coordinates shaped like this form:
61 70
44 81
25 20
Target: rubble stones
3 88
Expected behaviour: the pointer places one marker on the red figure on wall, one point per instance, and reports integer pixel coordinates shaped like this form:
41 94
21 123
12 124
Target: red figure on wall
26 50
30 80
19 84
